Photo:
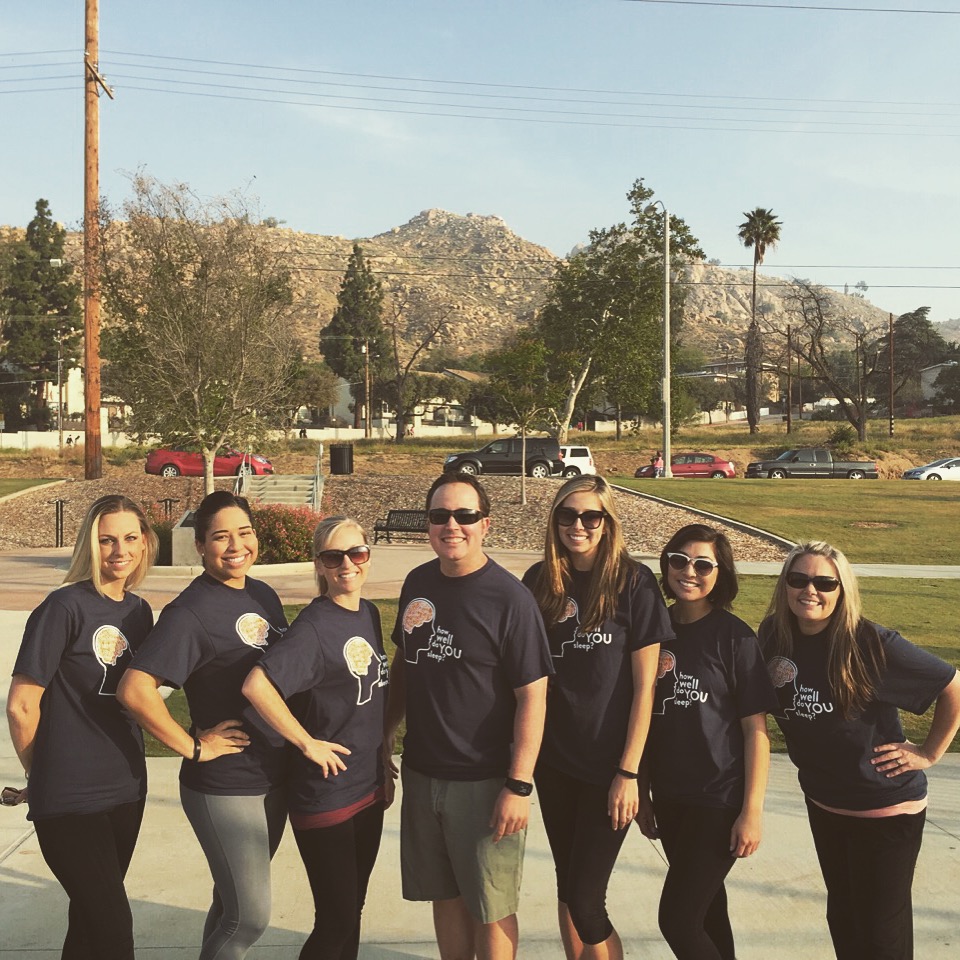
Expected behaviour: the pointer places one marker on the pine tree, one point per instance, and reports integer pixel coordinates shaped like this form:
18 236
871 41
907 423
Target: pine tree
41 312
357 322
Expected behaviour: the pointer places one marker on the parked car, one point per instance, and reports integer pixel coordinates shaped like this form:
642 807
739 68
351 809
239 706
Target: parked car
694 465
504 456
947 468
182 461
577 460
816 462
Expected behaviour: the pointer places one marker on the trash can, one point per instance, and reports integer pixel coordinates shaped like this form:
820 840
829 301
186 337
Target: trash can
341 459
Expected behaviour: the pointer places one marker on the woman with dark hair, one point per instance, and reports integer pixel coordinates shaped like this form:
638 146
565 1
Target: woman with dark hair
207 641
83 754
708 752
841 680
605 619
323 689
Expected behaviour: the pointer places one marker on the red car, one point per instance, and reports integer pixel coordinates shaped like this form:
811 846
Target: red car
181 461
694 465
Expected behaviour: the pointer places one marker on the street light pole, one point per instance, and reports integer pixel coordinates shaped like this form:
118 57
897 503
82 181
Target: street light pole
665 385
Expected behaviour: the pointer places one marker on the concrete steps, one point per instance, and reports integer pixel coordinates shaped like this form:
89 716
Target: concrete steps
294 489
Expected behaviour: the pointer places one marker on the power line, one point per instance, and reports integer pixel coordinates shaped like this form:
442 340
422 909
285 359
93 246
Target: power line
798 6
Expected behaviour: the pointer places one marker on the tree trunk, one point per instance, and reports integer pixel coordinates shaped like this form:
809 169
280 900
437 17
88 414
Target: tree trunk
208 456
754 359
576 384
523 465
619 422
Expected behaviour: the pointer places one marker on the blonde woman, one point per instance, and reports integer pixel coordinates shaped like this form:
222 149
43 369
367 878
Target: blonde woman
323 689
605 620
82 752
841 680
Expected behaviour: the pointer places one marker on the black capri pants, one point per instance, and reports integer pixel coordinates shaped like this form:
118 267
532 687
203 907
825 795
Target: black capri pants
584 845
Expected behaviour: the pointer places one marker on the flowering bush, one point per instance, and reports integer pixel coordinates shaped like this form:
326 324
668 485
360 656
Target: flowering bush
285 533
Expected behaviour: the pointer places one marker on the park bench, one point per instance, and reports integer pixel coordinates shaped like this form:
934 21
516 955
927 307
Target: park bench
404 523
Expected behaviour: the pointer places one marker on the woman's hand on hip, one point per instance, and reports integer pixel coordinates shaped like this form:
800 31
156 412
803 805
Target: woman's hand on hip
228 736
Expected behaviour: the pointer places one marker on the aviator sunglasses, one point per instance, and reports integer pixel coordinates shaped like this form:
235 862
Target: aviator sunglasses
567 517
799 581
440 516
334 558
701 565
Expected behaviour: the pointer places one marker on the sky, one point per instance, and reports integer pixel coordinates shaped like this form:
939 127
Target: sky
349 118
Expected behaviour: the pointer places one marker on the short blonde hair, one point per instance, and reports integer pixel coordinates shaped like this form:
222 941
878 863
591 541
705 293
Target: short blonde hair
322 534
85 563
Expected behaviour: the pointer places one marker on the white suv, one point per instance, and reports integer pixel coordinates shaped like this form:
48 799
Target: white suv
576 460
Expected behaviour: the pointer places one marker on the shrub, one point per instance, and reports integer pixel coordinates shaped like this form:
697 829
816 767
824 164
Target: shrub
285 533
842 438
163 528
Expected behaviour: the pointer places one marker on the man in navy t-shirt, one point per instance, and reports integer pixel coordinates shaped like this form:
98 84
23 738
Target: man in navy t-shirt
470 673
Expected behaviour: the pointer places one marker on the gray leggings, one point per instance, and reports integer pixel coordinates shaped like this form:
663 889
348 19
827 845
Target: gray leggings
239 836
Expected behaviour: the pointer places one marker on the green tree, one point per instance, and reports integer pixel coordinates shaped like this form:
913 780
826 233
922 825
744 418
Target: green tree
520 390
760 230
706 393
602 316
314 385
200 336
40 310
916 344
356 327
948 389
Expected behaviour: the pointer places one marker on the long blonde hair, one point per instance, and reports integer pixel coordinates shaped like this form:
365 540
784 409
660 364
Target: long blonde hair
322 533
854 654
85 562
610 573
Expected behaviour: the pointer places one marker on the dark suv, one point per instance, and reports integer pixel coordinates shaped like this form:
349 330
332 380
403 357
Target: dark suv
503 456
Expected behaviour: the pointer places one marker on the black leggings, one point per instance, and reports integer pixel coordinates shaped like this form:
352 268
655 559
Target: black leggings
693 906
584 846
339 860
867 866
89 854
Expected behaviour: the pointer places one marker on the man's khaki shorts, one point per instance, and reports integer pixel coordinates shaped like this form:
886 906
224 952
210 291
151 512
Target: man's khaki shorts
447 850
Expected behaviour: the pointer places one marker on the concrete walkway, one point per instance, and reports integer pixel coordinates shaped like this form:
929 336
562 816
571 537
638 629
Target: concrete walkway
777 899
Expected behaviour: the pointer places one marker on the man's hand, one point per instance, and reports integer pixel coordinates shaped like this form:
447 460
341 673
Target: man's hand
510 814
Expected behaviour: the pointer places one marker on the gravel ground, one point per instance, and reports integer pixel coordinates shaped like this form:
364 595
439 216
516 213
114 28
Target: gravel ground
27 520
647 524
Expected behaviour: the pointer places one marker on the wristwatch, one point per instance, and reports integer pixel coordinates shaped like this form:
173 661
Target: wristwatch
520 787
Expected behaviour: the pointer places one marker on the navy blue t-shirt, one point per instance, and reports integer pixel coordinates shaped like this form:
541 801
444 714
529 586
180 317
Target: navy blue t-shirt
709 678
832 754
588 706
468 642
88 753
207 641
332 669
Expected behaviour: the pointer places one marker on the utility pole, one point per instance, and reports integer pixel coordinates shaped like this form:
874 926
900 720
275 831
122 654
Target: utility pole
891 374
93 82
367 425
789 385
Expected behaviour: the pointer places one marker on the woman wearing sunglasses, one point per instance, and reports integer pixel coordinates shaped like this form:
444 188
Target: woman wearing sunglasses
708 752
231 778
83 754
840 680
323 689
605 619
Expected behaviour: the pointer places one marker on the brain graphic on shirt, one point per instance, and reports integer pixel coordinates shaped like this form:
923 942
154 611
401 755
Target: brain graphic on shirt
666 663
569 610
782 671
358 654
253 629
109 645
418 613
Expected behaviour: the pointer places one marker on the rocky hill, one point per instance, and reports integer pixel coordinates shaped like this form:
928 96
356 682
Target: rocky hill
493 280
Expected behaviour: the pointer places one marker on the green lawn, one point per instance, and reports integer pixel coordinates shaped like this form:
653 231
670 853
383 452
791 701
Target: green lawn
871 521
919 609
8 486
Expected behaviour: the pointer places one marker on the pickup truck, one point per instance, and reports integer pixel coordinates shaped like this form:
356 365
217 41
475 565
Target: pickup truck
812 462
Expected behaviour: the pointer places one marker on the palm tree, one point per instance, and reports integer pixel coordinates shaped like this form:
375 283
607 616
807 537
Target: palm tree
760 230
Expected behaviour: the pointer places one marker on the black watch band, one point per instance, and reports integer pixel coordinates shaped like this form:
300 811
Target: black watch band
520 787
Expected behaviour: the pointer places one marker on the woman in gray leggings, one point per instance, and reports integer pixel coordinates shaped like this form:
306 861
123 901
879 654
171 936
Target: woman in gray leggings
207 641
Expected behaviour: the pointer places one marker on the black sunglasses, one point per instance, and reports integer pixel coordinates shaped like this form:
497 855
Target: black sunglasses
701 565
334 558
440 517
799 581
567 517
